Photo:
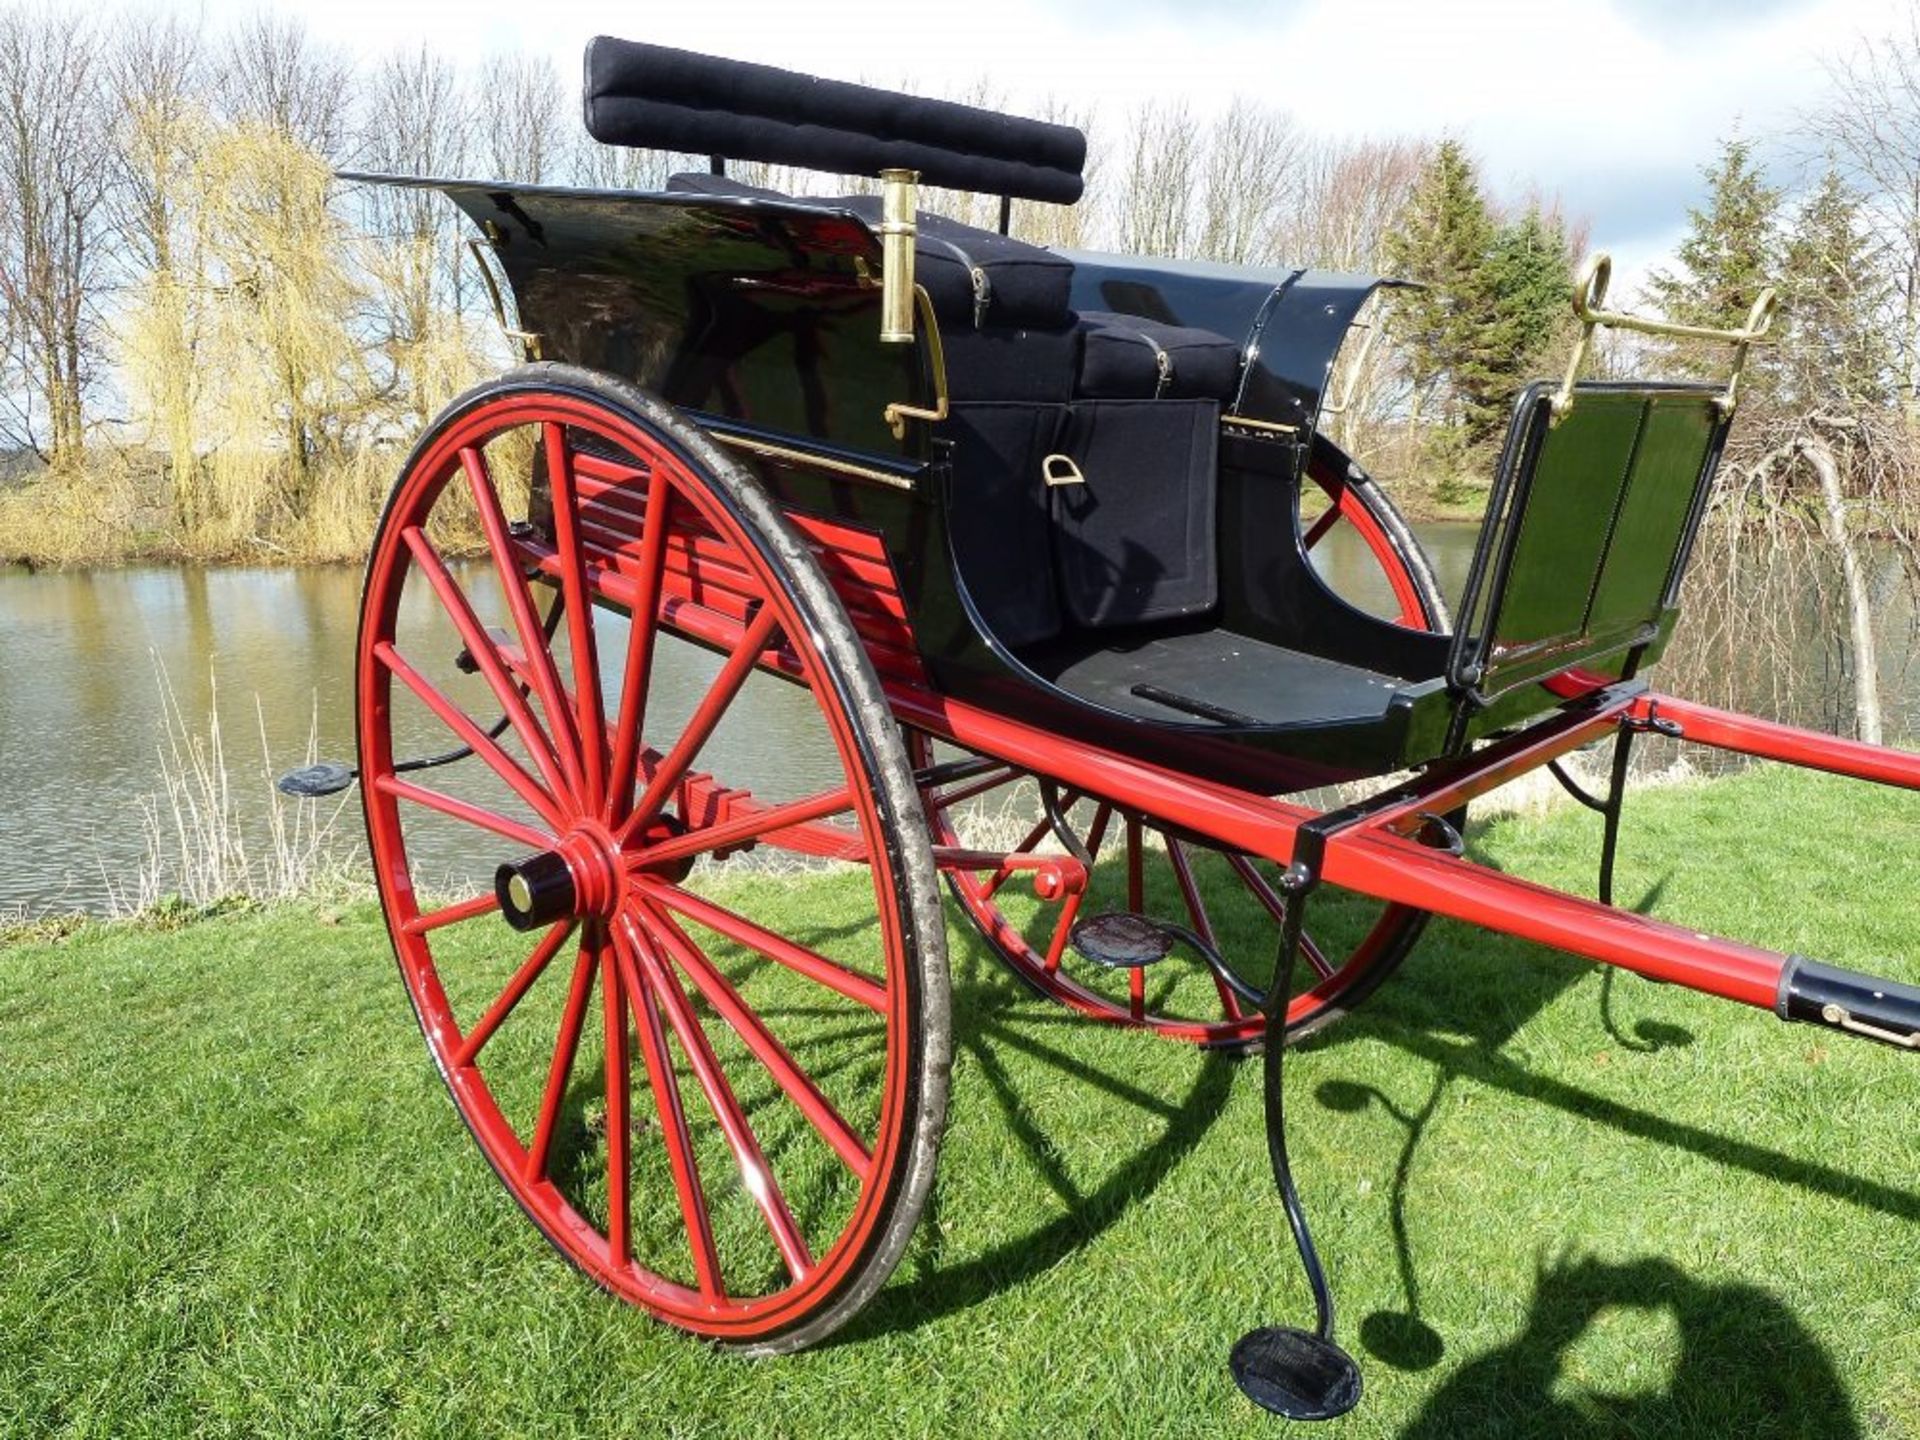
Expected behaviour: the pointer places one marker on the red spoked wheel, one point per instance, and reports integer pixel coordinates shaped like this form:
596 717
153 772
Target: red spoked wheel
718 1095
1141 865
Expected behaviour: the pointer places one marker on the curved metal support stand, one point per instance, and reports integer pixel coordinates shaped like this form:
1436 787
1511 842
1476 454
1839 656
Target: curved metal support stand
1303 1375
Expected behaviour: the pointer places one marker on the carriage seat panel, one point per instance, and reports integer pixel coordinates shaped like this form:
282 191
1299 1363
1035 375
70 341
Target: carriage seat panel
975 278
1135 540
1024 363
1222 677
1126 357
1587 534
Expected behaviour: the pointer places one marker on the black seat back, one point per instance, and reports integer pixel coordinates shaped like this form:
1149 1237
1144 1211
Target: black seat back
1587 534
654 97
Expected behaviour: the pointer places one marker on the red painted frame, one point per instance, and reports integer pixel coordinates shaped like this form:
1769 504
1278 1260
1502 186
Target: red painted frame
1373 853
1376 857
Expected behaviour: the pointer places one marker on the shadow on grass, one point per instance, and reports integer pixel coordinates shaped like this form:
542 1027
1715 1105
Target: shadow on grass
985 1034
1745 1366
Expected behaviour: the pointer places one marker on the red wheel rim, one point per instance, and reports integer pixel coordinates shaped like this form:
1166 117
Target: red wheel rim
1164 874
698 1056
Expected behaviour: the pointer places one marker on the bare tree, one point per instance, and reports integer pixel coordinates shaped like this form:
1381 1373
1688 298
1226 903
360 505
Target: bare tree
53 178
1159 186
415 119
1348 196
1066 226
521 119
1249 165
1871 128
277 76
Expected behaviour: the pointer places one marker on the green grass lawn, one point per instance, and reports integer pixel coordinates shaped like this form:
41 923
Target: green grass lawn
234 1198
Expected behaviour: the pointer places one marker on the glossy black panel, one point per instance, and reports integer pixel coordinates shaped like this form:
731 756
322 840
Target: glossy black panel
751 309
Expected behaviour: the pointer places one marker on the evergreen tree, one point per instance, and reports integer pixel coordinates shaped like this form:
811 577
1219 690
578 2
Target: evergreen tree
1495 297
1729 256
1443 243
1527 267
1836 353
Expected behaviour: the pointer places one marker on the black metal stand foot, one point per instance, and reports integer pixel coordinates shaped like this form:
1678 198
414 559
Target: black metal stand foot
1301 1374
1295 1373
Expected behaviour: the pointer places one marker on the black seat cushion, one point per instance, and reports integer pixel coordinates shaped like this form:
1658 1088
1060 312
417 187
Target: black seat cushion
665 99
974 277
1125 357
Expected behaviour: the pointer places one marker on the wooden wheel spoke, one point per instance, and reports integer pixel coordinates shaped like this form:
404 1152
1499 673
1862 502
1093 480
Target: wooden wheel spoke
777 948
471 735
673 1118
757 824
996 779
1317 531
786 1071
590 718
619 1111
1136 902
1197 913
452 914
462 810
531 969
713 705
481 647
1257 885
566 1046
1063 931
756 1175
631 725
542 675
991 885
1097 832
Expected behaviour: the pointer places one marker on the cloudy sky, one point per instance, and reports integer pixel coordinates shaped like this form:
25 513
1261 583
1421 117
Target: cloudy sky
1613 104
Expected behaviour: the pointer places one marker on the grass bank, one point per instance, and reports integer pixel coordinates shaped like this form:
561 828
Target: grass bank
235 1201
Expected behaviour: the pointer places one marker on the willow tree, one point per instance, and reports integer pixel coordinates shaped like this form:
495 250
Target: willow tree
160 127
284 378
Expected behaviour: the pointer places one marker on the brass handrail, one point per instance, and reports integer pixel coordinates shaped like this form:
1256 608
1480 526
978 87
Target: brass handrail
529 341
898 412
1590 294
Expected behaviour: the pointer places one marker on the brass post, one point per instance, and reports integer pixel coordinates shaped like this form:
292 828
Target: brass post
896 248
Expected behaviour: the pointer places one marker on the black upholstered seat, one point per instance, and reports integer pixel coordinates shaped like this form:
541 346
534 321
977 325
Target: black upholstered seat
1125 357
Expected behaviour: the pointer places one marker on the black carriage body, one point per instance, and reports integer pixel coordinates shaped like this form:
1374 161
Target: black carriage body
759 316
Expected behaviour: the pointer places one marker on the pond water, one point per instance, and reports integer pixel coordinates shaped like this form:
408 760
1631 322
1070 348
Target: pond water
84 655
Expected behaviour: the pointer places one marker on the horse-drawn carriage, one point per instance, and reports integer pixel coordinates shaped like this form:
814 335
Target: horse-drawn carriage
934 516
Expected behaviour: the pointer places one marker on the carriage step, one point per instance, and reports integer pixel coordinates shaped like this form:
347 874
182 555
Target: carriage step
1295 1373
312 782
1121 940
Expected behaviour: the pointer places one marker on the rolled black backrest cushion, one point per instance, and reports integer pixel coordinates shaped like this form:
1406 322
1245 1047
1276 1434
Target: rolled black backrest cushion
659 98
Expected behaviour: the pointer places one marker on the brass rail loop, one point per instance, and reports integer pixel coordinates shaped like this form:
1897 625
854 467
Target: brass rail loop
1590 295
